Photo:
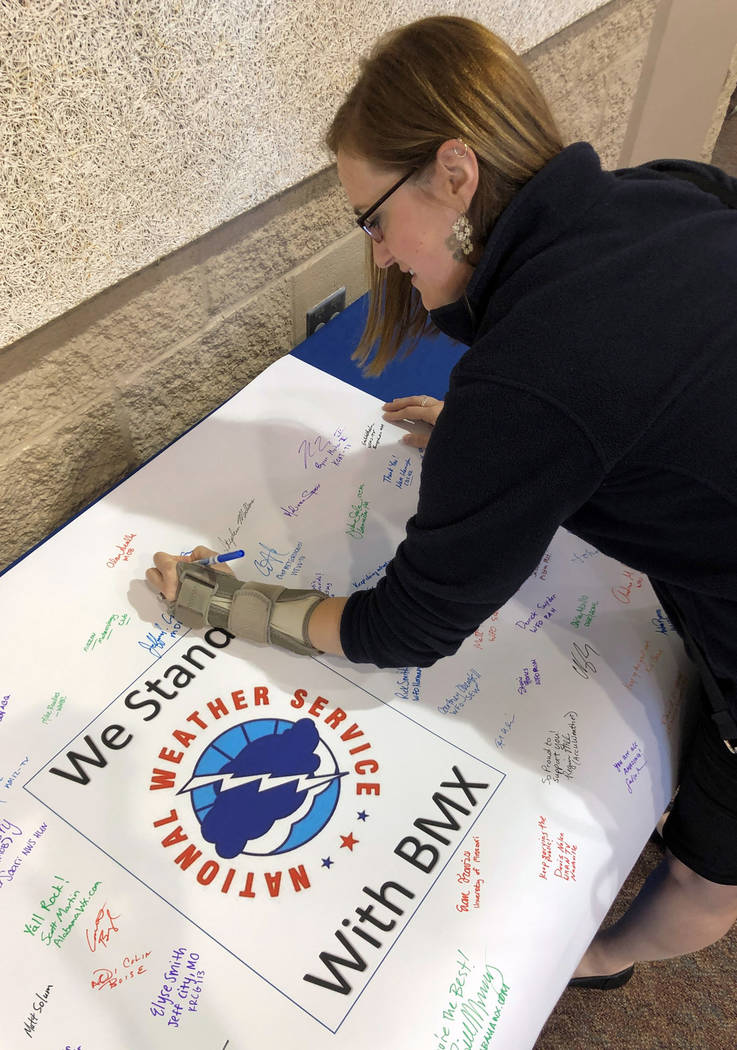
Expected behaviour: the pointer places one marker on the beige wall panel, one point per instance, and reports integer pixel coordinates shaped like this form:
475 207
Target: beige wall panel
722 112
687 80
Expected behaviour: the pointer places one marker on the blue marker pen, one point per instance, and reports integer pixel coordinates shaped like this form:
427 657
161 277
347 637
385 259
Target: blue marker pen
230 556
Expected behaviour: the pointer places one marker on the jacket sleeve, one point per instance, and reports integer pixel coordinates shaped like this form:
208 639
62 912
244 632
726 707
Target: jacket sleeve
503 468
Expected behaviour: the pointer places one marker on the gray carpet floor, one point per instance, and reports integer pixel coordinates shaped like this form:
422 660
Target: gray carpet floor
678 1004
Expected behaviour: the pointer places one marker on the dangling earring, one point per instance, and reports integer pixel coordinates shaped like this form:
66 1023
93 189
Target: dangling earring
463 233
463 244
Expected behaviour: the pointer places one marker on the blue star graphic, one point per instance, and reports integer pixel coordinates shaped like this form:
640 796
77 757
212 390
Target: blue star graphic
327 862
363 815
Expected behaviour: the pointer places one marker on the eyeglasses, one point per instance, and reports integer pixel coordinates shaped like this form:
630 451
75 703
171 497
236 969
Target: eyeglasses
374 231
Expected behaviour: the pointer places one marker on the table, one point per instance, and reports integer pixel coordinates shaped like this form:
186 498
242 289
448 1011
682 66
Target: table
209 844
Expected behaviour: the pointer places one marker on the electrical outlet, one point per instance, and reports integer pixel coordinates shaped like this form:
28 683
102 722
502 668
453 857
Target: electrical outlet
324 311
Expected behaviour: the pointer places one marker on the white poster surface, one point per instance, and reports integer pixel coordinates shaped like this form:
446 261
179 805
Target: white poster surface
209 844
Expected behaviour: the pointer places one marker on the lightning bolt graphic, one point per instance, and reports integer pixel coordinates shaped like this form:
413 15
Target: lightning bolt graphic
266 782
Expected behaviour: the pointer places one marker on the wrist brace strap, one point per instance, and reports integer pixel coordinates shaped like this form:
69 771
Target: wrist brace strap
258 612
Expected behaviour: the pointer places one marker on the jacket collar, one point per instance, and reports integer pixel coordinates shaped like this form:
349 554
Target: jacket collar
547 205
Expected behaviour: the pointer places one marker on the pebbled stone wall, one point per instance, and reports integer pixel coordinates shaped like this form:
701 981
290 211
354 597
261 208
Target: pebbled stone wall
131 128
90 396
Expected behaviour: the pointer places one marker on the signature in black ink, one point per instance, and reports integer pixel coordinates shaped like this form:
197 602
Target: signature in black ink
581 663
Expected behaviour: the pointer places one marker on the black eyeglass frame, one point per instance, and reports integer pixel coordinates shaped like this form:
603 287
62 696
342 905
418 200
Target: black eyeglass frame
361 220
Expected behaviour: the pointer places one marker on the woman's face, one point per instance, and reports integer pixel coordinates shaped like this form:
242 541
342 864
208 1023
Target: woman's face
416 222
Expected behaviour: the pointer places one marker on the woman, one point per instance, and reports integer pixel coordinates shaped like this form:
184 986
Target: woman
597 392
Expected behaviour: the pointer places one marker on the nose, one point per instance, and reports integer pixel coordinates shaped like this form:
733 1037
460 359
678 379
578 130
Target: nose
382 256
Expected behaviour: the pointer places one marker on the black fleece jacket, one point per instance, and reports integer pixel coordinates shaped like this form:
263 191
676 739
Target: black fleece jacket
599 392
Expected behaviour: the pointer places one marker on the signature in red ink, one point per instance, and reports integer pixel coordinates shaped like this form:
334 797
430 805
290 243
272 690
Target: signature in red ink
101 977
125 550
623 592
103 930
131 966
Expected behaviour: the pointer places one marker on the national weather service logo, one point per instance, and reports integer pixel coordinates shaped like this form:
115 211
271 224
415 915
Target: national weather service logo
263 787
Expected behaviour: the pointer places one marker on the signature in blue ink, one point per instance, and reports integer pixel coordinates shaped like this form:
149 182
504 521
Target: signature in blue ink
160 637
268 556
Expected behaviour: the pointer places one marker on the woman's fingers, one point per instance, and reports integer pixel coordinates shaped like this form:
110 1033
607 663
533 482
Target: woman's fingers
420 407
198 553
155 579
415 401
163 575
402 402
411 412
206 552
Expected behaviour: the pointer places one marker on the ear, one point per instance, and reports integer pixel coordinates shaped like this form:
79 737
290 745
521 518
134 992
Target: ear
457 173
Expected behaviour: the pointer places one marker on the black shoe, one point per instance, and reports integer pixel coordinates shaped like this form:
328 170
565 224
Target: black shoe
605 983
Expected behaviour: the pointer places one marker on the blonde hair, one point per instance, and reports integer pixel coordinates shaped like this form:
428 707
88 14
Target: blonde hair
437 79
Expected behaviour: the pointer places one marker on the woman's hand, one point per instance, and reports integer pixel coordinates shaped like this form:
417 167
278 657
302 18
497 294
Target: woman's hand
163 576
418 409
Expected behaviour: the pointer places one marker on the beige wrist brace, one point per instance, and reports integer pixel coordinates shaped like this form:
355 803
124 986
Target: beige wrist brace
258 612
